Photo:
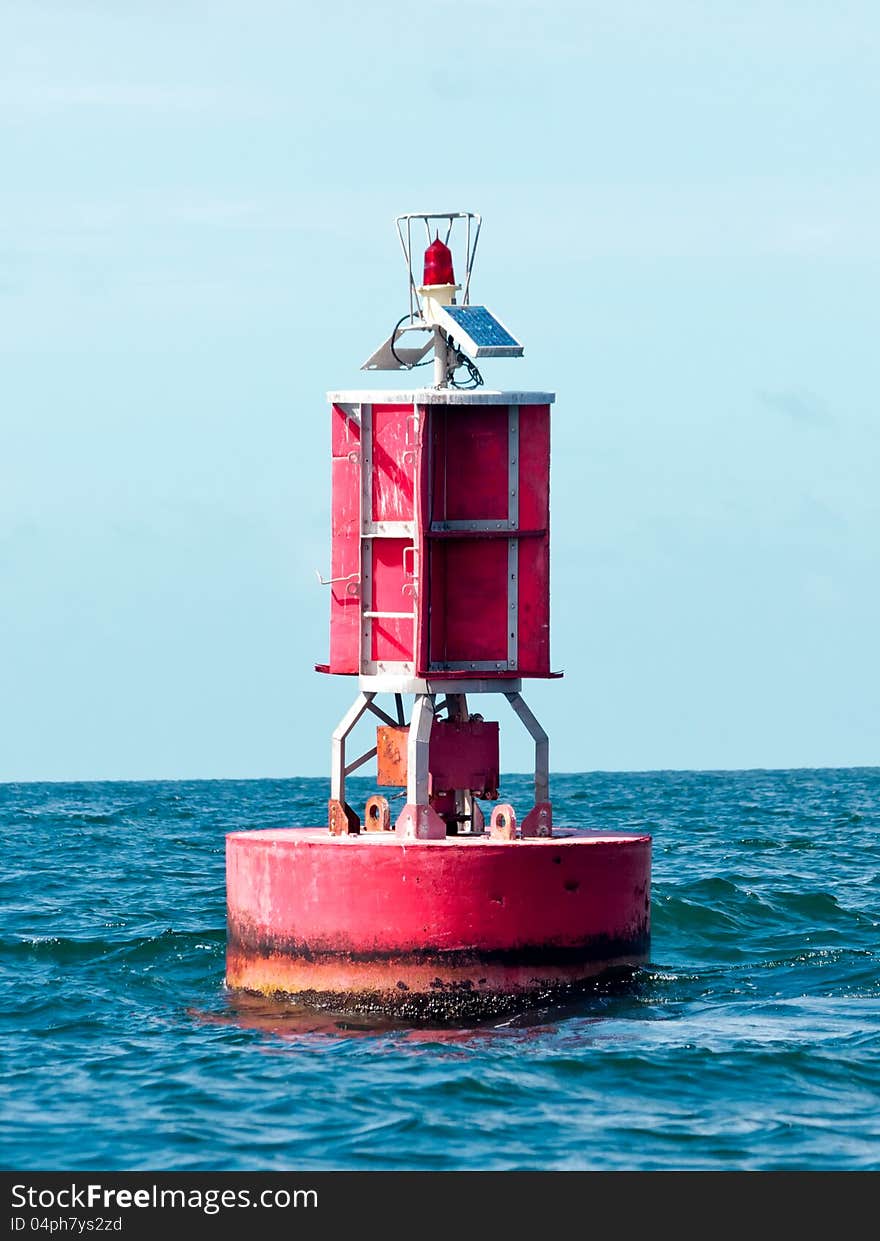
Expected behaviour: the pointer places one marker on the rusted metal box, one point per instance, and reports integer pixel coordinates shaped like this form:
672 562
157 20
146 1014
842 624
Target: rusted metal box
440 558
462 754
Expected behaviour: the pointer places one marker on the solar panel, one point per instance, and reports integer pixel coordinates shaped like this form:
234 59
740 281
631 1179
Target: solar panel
476 330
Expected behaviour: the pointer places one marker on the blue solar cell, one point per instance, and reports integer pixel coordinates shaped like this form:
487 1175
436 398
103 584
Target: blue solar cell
481 326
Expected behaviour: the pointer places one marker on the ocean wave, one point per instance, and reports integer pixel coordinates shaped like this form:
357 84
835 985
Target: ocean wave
750 1039
66 949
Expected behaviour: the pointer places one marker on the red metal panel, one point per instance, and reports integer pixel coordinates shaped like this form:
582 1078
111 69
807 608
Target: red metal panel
434 461
470 463
467 589
392 592
533 611
463 754
432 615
393 462
533 593
424 551
534 467
345 433
469 596
345 542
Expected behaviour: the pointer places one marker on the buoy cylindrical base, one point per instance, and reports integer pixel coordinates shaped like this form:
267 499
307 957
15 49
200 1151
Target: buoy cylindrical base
436 928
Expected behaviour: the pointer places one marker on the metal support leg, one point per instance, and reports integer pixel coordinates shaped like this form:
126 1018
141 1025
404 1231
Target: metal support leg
337 752
342 819
538 822
542 746
419 820
417 749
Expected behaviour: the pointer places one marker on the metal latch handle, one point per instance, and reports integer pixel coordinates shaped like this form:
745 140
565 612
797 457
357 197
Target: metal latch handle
353 580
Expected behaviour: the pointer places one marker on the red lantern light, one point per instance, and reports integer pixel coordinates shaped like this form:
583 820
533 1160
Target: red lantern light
438 264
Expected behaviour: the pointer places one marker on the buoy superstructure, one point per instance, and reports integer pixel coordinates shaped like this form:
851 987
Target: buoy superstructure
439 586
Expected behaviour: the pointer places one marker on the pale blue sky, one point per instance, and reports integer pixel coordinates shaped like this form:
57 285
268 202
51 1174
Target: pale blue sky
681 207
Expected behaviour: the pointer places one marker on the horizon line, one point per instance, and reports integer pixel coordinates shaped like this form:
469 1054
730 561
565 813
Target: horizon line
597 771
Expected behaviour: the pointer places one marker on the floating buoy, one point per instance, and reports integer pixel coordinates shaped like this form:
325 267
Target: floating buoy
439 593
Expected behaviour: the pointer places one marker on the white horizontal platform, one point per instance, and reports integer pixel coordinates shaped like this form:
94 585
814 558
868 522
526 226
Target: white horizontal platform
438 396
392 683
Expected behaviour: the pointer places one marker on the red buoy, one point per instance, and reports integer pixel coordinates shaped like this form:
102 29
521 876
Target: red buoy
439 592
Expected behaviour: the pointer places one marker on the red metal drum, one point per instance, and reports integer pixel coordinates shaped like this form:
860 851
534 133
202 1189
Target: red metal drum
432 928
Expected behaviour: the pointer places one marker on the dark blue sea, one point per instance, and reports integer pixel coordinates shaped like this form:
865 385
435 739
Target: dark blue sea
752 1040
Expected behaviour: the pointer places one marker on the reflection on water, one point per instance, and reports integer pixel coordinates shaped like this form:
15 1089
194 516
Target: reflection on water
281 1017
